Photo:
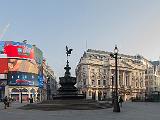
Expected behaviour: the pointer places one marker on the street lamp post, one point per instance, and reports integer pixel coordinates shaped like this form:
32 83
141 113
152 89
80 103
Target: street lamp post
116 107
21 95
21 91
112 90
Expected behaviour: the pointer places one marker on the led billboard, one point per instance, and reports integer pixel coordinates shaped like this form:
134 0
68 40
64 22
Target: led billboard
23 79
40 77
21 65
21 50
3 65
16 49
38 55
3 76
2 47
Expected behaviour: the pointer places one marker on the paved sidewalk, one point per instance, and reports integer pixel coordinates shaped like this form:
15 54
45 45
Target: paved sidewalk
129 111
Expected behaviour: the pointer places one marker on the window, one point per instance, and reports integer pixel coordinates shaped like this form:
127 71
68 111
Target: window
127 82
104 82
99 82
92 76
92 82
84 82
146 72
141 84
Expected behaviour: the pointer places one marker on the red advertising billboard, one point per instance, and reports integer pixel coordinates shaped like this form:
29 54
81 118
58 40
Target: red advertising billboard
3 65
19 51
23 65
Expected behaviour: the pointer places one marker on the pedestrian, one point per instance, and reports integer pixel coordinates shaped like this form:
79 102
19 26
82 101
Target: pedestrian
9 102
120 101
31 99
37 99
5 101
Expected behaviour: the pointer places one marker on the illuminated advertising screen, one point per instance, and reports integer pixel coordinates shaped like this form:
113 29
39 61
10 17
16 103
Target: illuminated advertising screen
40 77
2 47
3 65
23 79
3 76
21 65
38 55
40 81
19 50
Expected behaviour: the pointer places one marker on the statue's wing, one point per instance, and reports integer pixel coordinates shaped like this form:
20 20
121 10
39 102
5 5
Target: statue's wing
66 48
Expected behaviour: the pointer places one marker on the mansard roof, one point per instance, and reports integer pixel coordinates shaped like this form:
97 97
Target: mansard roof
155 63
106 52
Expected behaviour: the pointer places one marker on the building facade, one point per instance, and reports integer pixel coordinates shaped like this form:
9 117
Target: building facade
153 77
50 83
22 73
96 79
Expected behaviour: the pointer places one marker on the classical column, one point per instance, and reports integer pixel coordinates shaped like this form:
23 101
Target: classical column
88 94
7 90
130 78
96 94
124 79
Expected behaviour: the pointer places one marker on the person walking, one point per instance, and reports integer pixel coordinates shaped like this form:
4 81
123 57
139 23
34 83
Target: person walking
5 100
120 101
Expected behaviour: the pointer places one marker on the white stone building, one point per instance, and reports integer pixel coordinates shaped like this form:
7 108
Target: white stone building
153 77
96 68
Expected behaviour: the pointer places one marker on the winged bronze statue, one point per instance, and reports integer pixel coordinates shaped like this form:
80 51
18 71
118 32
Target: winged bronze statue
68 51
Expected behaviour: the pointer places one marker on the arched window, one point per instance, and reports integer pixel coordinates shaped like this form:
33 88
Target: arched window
24 90
32 90
14 90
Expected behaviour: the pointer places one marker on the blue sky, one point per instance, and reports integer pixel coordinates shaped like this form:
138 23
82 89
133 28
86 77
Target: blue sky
134 25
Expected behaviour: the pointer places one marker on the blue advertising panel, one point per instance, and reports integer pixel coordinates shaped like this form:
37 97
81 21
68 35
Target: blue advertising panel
40 81
40 77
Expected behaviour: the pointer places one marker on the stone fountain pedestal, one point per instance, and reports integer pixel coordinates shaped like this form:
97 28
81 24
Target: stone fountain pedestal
67 89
